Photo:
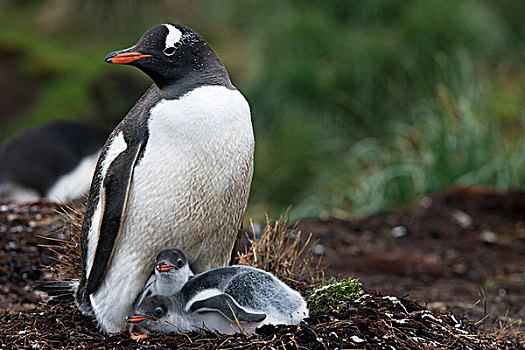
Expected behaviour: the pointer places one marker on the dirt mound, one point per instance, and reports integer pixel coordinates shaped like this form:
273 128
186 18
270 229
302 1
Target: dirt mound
448 251
439 251
373 321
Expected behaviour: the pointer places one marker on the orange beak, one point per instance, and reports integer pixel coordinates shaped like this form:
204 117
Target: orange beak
137 318
165 267
125 56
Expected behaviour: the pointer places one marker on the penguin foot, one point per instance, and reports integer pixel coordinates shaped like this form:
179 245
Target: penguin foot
138 333
138 336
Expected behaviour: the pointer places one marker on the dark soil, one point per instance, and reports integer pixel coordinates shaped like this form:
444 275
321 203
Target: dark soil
372 322
449 251
21 253
441 252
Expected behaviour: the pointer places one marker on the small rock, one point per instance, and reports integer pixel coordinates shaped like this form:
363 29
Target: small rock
356 339
319 249
488 237
463 219
12 217
399 231
16 229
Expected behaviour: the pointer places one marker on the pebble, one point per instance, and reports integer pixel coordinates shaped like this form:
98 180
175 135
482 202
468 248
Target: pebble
17 229
319 249
399 231
463 219
356 339
488 237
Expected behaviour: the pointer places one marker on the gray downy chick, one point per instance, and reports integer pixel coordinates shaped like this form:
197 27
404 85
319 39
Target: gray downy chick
171 274
218 298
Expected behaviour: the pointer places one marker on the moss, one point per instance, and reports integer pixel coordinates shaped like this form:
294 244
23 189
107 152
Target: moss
333 293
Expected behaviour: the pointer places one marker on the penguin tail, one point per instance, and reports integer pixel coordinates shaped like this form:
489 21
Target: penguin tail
60 291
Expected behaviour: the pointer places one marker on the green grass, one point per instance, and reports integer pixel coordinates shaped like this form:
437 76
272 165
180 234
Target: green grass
363 107
62 74
452 140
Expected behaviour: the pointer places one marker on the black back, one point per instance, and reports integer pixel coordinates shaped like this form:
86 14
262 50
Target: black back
208 280
37 157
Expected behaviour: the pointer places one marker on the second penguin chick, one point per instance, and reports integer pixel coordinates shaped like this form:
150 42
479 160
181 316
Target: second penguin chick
171 274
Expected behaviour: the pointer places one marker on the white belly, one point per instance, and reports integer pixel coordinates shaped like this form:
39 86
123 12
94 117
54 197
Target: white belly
76 183
189 190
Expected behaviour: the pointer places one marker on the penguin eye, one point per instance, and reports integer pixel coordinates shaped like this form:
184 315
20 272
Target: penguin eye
180 263
169 51
158 312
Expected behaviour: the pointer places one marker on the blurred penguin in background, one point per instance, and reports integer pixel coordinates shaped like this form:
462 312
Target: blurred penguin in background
54 161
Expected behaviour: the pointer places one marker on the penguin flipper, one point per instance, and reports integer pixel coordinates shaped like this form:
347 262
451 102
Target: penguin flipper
115 191
145 293
228 307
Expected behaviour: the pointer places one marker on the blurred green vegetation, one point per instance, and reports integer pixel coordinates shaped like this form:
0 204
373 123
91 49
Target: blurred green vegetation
358 106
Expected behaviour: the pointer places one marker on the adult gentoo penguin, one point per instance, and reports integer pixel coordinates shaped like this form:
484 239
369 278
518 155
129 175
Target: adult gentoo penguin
176 171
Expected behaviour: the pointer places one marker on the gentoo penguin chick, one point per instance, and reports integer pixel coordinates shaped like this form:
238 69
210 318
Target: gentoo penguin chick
171 273
215 298
165 315
176 172
54 160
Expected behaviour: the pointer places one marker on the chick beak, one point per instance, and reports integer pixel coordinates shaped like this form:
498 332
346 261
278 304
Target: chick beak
136 318
165 267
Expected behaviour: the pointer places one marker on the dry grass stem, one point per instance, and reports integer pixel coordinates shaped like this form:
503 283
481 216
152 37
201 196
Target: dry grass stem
66 249
283 251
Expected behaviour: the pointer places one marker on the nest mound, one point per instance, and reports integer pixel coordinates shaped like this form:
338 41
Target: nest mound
373 321
370 320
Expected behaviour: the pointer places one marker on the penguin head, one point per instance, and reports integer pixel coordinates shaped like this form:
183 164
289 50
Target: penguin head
156 313
170 261
169 53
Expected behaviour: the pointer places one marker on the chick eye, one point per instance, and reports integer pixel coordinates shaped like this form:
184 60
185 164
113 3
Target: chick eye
158 312
180 263
169 51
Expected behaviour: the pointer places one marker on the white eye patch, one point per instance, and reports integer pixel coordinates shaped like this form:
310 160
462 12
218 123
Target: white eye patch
173 36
